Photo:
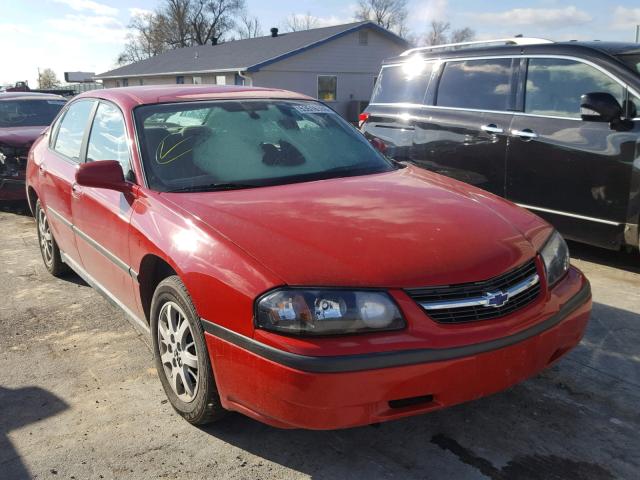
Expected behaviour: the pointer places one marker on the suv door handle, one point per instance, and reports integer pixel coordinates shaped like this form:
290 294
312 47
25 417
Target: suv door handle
526 134
491 128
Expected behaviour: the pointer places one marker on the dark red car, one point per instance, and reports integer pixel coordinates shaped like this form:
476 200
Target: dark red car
23 117
286 269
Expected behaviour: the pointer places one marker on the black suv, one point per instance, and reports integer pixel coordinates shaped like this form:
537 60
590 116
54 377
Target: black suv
550 126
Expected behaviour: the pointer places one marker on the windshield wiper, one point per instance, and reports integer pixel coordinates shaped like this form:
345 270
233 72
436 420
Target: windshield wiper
212 187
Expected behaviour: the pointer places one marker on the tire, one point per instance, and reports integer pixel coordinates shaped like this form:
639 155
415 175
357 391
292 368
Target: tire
181 356
48 246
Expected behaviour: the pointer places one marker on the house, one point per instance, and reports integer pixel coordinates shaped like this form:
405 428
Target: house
337 64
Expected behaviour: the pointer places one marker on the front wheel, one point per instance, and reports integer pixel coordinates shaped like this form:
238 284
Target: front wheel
181 356
48 246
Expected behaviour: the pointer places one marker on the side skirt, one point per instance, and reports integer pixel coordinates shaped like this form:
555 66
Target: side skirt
139 324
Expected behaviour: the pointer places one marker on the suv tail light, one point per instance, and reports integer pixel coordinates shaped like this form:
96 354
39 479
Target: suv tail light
362 118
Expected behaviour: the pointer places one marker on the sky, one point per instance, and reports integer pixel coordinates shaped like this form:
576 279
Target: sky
87 35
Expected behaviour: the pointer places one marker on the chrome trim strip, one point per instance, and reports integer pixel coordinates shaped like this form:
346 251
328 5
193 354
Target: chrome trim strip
105 252
568 214
397 358
482 301
139 323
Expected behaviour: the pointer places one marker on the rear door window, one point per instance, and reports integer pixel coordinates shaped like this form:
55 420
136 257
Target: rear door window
72 128
406 83
479 84
555 85
108 138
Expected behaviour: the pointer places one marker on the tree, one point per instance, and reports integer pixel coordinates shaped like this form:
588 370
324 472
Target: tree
48 79
390 14
437 33
462 35
249 27
181 23
297 22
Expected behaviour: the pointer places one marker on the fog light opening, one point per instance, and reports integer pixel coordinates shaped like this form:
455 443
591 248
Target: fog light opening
411 402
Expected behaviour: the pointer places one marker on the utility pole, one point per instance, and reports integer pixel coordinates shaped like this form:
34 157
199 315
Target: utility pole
637 33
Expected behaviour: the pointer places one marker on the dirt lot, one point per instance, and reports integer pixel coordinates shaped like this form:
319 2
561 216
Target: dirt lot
79 398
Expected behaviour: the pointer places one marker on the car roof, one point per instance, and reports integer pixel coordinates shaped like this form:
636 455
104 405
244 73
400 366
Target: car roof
187 93
565 48
29 96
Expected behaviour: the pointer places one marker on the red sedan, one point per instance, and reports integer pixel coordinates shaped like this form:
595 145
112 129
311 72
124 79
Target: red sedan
286 269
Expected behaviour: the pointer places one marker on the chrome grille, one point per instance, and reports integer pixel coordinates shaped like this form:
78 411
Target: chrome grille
469 302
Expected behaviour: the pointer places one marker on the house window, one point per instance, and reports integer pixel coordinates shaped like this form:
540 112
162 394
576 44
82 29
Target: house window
141 82
221 80
363 37
125 82
117 83
180 79
197 80
327 88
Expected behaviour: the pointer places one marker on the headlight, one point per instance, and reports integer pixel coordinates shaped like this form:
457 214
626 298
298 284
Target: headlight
555 255
327 312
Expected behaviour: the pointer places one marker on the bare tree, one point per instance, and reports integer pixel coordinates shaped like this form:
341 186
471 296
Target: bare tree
249 27
145 38
212 19
462 35
296 22
437 33
176 16
390 14
47 79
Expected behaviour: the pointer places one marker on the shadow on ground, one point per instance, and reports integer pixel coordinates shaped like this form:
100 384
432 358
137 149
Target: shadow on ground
629 261
20 408
16 207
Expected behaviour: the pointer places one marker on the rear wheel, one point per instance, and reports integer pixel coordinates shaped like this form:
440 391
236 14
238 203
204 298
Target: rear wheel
181 356
48 246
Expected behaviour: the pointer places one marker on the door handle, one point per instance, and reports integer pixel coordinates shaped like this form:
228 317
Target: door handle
526 134
491 128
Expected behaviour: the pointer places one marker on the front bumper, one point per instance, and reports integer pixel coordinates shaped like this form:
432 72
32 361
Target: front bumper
318 392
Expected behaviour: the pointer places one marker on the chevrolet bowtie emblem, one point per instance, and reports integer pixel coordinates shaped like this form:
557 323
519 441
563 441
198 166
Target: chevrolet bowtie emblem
496 299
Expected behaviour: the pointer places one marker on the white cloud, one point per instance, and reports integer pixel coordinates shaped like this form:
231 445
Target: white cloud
541 17
97 28
89 5
429 10
139 12
626 18
11 28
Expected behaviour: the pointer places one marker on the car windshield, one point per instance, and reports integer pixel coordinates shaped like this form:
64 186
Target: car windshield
29 113
249 143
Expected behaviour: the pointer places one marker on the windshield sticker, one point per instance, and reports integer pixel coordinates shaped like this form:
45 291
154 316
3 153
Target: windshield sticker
313 108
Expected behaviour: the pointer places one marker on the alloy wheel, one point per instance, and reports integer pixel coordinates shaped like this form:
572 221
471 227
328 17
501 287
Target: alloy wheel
178 352
46 239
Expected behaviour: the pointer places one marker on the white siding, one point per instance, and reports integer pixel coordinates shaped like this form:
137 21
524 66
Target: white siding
355 65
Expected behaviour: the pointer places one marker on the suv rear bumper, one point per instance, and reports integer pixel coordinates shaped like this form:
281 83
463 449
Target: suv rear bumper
321 393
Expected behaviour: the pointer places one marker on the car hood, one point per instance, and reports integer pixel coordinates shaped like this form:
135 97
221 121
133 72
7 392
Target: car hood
20 136
405 228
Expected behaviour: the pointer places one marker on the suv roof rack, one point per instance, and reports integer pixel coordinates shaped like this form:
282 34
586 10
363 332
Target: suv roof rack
478 43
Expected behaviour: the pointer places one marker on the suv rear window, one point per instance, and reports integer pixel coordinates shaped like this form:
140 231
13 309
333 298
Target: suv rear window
406 83
480 84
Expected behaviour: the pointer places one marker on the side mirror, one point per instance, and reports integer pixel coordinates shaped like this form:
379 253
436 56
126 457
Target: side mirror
102 174
378 144
600 107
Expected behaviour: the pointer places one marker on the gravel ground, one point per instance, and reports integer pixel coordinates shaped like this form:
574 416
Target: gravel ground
80 399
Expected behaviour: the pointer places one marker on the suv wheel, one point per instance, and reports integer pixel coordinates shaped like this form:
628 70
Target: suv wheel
181 356
48 246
